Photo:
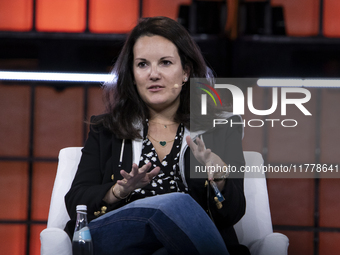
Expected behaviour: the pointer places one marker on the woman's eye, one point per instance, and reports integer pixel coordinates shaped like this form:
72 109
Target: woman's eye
141 64
166 62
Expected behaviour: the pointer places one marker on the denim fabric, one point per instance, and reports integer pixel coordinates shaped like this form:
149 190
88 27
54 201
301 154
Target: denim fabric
172 221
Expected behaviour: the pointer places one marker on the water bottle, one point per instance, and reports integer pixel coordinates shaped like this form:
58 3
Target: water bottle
82 241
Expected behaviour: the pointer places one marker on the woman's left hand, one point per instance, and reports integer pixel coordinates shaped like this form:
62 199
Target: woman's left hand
205 157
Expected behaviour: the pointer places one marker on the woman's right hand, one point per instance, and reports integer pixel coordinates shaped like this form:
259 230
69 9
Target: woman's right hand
137 178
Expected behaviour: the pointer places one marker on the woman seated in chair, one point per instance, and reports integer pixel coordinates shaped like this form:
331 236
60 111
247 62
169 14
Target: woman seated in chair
134 172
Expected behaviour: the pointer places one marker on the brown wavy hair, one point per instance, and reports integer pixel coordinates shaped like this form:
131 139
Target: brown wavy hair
124 106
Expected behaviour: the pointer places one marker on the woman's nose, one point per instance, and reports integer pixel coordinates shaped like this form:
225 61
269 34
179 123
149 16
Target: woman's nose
154 72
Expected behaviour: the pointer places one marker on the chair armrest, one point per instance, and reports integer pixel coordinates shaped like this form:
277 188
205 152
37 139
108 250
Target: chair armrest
67 168
275 243
55 241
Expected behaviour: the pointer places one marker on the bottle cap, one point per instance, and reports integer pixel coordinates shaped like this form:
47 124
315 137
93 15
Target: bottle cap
81 208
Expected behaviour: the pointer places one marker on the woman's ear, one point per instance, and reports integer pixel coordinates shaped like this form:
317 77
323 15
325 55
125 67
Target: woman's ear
186 73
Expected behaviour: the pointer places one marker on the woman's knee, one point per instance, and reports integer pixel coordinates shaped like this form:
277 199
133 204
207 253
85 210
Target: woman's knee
175 200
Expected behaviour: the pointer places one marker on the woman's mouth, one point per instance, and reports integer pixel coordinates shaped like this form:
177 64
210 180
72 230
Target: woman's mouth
155 88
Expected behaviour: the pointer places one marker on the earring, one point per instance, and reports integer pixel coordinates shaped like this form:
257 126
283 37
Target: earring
185 80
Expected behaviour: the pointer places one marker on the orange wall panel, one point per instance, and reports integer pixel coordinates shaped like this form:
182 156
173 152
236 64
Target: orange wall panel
166 8
61 15
58 120
293 145
329 203
301 17
43 180
35 238
329 243
113 16
329 131
13 239
16 15
300 242
14 113
291 201
13 191
253 137
95 102
331 25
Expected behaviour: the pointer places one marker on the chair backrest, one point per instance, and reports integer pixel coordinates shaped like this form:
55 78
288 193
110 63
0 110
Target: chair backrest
68 163
256 223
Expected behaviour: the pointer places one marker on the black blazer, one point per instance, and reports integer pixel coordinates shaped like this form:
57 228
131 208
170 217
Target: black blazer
98 171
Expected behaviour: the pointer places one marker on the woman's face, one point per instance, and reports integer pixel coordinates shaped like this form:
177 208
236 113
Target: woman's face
157 68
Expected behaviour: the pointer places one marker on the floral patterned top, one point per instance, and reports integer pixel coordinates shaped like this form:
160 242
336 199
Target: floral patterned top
169 178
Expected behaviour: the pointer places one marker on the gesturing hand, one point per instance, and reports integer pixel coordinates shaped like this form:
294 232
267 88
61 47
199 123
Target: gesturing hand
205 156
137 178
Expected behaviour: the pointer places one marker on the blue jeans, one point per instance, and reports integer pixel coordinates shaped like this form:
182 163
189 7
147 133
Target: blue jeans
165 224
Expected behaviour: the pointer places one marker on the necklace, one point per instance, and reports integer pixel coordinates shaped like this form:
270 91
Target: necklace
162 143
165 125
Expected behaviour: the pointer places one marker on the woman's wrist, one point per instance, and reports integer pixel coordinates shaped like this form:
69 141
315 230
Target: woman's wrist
224 175
118 194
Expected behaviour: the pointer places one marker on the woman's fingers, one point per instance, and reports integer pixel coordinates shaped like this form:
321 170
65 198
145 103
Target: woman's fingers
200 145
122 182
206 154
125 175
210 175
203 155
153 173
196 148
134 170
191 144
144 168
136 175
200 152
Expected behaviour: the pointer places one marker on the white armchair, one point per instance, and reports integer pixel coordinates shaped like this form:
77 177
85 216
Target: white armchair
254 230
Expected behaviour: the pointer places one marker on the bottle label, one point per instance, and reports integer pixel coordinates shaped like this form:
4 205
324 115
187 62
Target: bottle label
83 234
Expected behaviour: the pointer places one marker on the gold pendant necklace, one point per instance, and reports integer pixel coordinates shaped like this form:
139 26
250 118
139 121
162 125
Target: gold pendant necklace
162 143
